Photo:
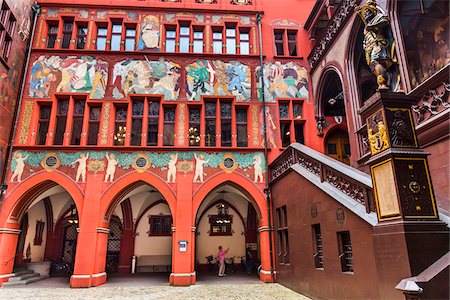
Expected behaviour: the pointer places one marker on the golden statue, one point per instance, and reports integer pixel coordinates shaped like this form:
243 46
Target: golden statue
379 46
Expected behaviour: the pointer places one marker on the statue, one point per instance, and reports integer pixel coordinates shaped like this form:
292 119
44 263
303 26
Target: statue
379 45
199 162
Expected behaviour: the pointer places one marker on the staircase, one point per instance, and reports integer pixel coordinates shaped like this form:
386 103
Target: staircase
23 277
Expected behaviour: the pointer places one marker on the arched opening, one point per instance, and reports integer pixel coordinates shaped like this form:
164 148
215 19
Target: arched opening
140 235
425 32
46 245
337 145
227 217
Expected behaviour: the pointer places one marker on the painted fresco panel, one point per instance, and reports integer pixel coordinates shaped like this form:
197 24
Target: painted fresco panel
71 74
283 81
146 77
205 77
149 35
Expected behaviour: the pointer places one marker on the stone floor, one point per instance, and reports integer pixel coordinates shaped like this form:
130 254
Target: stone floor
235 286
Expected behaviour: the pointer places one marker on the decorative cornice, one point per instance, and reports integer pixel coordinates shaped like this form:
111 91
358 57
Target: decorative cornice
80 276
344 11
10 231
267 272
103 230
264 228
99 275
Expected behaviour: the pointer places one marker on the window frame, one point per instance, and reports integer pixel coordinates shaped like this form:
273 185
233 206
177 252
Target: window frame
346 261
291 120
283 235
8 22
213 223
317 247
161 231
285 42
39 233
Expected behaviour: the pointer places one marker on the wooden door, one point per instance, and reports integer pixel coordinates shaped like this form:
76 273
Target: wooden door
339 149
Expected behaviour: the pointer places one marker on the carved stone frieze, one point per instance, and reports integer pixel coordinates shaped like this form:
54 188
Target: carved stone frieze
432 103
345 10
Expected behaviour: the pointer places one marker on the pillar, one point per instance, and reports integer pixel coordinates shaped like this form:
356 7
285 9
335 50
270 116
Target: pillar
264 243
183 272
8 242
409 236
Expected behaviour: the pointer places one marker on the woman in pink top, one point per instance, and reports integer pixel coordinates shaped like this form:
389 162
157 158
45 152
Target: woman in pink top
221 256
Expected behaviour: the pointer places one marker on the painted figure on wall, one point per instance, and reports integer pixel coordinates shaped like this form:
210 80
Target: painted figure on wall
81 170
172 168
20 166
379 45
146 77
205 77
283 81
271 128
257 165
71 74
111 167
199 162
149 35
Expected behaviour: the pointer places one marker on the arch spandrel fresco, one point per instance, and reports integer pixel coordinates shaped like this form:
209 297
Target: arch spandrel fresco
146 77
206 77
287 80
84 74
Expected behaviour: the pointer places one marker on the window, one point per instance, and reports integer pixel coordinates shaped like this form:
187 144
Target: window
102 33
77 125
61 120
194 126
94 125
231 39
283 237
285 42
217 40
241 127
210 124
198 40
136 123
39 233
7 27
225 124
121 125
44 121
130 37
52 34
67 34
171 36
160 226
244 41
185 32
345 251
318 248
169 126
153 119
220 226
116 36
82 31
291 122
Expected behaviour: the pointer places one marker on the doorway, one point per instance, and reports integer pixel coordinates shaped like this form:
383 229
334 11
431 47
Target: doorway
337 146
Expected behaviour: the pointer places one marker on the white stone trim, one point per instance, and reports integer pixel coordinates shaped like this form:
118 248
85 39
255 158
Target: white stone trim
264 228
6 276
182 274
99 275
103 230
80 276
194 229
267 272
10 231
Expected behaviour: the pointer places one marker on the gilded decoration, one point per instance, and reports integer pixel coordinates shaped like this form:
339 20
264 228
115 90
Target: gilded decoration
385 192
255 125
96 166
181 121
26 120
379 46
141 163
106 112
228 163
51 162
185 167
377 133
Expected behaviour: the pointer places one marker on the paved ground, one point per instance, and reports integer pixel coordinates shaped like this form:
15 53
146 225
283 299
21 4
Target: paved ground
154 287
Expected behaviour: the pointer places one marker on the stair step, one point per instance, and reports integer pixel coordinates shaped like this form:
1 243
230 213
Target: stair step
23 272
23 277
39 278
23 282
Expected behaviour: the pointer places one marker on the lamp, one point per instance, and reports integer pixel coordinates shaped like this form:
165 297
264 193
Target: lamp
120 135
222 214
73 218
194 136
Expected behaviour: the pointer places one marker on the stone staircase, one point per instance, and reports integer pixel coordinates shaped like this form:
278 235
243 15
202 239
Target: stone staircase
23 277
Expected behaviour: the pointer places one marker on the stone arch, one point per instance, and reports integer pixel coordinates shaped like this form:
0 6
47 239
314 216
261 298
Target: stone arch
329 71
21 196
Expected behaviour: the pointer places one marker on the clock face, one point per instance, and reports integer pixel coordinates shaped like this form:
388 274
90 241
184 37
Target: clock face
51 161
141 162
228 163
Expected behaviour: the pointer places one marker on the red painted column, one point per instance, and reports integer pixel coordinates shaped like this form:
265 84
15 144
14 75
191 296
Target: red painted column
182 266
89 241
264 241
8 240
99 274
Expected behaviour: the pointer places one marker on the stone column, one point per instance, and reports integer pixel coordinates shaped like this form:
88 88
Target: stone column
409 236
8 242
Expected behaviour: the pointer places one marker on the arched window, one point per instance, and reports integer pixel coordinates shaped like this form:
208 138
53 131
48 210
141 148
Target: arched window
425 28
333 96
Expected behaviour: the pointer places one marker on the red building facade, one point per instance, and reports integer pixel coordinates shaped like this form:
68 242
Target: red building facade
140 134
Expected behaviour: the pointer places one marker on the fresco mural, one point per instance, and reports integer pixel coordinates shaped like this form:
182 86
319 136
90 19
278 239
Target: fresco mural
70 74
272 129
283 81
146 77
205 77
149 36
165 164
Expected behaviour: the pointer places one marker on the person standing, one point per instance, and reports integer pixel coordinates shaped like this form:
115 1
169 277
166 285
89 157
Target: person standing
249 260
221 256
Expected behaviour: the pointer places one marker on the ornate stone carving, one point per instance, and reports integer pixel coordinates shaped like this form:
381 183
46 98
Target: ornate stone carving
181 121
376 132
241 2
106 112
432 103
342 14
26 120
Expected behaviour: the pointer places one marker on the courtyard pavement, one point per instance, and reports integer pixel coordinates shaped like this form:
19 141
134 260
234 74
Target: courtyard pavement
235 286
